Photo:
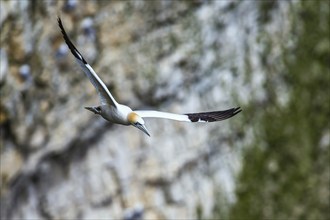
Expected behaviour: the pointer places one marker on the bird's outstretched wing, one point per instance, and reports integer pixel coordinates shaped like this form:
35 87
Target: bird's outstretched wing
192 117
103 92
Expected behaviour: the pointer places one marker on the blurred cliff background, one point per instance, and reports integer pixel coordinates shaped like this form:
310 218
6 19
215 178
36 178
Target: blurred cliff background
272 161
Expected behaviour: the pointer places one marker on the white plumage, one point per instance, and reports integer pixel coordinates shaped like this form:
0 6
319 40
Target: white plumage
117 113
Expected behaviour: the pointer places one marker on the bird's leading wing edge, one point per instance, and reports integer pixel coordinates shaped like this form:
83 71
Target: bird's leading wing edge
192 117
103 92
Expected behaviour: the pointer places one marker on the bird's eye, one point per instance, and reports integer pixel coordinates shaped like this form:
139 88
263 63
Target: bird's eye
98 109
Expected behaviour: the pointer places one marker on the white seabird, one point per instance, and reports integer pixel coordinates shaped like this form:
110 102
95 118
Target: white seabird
117 113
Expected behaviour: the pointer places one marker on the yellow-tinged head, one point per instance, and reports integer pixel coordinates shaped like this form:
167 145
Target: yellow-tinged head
135 120
133 117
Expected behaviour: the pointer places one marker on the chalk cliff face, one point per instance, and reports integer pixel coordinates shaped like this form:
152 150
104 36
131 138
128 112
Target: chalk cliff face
59 161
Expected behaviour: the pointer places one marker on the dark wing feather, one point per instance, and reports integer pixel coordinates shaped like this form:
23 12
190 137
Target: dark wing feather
73 49
104 94
213 116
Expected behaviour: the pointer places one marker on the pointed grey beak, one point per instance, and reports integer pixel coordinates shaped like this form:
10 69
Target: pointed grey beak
142 128
93 109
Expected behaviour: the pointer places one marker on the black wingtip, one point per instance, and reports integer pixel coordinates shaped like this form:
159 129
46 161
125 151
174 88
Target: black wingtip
59 20
236 110
68 42
213 116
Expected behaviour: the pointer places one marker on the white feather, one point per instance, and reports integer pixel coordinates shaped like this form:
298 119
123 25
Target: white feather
158 114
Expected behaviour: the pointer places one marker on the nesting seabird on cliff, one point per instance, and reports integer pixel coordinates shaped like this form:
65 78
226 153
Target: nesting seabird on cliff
117 113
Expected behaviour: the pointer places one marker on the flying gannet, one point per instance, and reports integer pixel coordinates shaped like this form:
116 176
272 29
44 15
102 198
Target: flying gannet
117 113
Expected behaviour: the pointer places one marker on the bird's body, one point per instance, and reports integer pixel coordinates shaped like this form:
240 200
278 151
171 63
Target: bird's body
117 113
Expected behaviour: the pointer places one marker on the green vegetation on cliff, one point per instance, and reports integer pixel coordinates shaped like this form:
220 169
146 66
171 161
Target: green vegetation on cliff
286 171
